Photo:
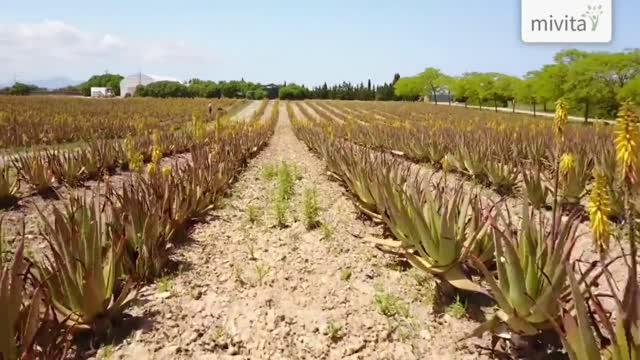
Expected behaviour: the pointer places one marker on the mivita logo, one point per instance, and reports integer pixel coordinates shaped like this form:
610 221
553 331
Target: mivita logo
570 23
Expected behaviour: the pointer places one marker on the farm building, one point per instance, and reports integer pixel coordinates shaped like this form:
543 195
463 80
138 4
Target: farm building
128 84
101 92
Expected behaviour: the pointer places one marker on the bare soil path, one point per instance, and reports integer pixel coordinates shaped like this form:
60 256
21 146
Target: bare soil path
247 112
251 290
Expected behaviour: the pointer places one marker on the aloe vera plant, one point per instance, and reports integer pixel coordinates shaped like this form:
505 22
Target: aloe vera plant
354 167
574 183
535 189
68 166
473 164
140 218
503 177
81 272
621 338
437 233
9 186
36 170
531 273
19 318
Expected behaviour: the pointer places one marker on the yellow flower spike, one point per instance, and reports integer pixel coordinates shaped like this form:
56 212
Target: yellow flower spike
136 161
598 208
156 154
445 164
151 168
560 119
166 170
626 141
567 163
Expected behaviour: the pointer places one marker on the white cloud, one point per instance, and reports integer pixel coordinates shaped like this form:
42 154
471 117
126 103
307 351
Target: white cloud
31 48
54 39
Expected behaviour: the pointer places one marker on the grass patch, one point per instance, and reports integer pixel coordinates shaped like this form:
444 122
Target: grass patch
269 172
334 331
165 284
390 305
327 232
262 271
457 309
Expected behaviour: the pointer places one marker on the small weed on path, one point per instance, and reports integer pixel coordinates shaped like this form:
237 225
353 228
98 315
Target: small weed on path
165 284
269 172
310 208
458 309
285 181
334 331
284 192
262 271
390 305
280 208
327 232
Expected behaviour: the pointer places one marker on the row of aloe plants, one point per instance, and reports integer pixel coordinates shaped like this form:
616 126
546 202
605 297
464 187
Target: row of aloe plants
513 155
43 120
526 266
102 248
44 171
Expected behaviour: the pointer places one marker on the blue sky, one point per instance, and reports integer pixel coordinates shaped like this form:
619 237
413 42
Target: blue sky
275 41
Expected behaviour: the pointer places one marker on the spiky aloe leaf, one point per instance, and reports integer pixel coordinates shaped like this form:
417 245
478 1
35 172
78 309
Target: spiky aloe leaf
578 339
80 273
9 186
11 292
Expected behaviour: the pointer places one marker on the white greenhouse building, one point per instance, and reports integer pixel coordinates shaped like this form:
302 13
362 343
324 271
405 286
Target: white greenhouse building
128 84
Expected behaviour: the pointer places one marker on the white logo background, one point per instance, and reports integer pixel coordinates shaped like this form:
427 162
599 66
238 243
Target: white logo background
555 10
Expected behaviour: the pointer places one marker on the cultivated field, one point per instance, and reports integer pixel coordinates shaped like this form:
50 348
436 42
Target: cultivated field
144 228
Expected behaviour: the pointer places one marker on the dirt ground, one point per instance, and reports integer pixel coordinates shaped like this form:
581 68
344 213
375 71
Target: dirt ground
247 112
251 290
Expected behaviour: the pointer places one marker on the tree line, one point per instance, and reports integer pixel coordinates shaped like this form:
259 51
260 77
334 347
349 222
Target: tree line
343 91
594 83
207 89
21 89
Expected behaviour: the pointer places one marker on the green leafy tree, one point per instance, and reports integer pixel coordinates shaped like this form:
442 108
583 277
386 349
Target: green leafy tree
460 89
467 88
506 87
21 89
549 83
582 88
434 81
104 80
631 90
164 89
525 91
292 92
409 88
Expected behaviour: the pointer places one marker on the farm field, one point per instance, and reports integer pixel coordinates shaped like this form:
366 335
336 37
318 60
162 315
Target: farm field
312 229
